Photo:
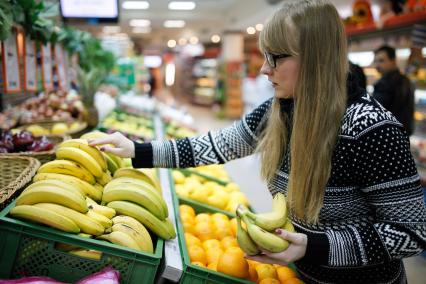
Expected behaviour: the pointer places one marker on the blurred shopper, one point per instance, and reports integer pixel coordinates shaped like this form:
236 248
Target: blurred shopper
341 159
358 74
394 90
152 81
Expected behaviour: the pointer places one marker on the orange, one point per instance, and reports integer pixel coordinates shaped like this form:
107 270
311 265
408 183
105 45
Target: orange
219 216
213 243
212 266
234 264
252 272
202 217
233 224
269 281
192 240
213 254
221 233
266 271
197 263
229 242
187 218
293 281
187 209
196 253
236 250
204 231
285 273
189 228
220 223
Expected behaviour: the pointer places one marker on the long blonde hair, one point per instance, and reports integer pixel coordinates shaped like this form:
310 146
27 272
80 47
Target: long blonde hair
312 31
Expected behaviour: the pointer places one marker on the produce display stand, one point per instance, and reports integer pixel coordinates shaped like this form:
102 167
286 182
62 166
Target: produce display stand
188 172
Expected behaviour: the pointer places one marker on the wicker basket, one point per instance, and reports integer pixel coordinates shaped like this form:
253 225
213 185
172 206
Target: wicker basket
15 173
43 157
49 125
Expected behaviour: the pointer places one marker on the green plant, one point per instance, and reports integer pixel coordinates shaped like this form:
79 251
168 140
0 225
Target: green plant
6 19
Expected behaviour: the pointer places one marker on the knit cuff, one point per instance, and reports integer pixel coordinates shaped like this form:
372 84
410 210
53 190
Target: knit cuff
143 155
318 249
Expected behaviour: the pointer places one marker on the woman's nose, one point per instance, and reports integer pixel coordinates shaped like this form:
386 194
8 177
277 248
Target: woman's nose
266 69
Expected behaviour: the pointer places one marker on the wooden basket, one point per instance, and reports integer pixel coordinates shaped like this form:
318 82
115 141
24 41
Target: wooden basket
15 173
49 124
43 157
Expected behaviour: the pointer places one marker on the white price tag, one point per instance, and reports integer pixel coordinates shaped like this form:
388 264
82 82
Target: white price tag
30 65
12 82
46 64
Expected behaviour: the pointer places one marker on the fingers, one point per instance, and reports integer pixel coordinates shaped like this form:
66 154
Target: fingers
295 238
265 259
116 151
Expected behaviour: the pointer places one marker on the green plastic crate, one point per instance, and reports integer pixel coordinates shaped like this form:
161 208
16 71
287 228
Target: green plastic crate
28 249
188 172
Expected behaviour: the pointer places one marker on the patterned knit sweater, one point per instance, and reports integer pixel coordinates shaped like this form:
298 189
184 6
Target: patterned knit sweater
373 213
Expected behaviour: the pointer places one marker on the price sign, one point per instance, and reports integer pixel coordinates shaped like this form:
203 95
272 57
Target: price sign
30 65
10 54
46 66
60 64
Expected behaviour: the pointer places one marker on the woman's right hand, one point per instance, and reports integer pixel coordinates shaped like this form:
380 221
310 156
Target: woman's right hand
122 146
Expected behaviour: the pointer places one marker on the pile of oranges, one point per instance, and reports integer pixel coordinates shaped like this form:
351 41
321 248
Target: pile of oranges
212 244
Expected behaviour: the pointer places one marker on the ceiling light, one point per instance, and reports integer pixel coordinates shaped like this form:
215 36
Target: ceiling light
135 5
259 27
182 41
140 23
171 43
251 30
193 40
215 38
174 24
181 5
111 29
141 30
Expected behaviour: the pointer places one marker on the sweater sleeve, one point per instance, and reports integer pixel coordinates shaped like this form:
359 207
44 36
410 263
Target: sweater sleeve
389 183
215 147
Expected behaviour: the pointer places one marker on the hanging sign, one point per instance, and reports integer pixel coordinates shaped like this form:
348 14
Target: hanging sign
46 66
10 54
30 65
60 65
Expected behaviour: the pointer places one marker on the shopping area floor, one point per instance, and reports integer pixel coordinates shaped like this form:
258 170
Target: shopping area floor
246 173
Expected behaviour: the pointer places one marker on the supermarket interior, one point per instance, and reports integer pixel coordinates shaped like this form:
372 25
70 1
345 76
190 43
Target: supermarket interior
150 141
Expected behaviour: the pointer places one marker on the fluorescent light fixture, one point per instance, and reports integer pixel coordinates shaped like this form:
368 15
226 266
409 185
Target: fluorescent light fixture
171 43
251 30
259 27
141 30
170 74
111 29
174 24
140 23
215 38
135 5
193 40
183 41
182 5
362 58
153 61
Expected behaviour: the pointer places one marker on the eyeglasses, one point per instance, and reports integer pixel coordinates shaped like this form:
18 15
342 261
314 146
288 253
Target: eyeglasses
272 58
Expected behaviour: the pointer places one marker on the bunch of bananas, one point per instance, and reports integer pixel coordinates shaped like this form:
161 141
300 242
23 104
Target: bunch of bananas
257 232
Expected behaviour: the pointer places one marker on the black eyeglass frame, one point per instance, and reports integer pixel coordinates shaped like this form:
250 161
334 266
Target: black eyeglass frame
272 58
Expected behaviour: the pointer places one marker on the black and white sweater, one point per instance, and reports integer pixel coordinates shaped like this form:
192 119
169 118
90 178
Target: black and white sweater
373 213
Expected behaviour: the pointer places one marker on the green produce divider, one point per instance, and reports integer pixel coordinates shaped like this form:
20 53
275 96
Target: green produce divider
202 206
28 249
188 172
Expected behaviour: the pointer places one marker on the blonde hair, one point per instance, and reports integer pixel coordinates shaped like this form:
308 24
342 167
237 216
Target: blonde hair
312 31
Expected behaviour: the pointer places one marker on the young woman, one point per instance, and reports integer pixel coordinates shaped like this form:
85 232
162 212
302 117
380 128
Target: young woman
342 160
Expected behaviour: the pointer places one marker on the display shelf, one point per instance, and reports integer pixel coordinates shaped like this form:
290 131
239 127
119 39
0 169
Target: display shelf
206 77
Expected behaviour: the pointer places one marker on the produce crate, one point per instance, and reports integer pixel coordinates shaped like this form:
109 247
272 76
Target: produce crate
188 172
29 249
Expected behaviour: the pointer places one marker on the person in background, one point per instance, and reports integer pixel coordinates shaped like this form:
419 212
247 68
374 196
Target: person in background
152 82
359 76
394 90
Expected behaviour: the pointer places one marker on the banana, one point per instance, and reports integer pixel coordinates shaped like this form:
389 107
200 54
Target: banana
81 157
118 160
46 217
274 219
131 192
139 174
144 243
87 253
67 168
163 229
170 227
82 144
106 178
112 166
289 226
51 194
138 227
122 239
57 183
244 240
86 187
101 219
87 225
99 187
103 210
264 239
93 135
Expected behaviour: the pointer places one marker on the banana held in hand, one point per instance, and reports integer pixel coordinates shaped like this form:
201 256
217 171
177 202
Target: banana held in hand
46 217
81 157
67 168
120 238
82 144
272 220
244 240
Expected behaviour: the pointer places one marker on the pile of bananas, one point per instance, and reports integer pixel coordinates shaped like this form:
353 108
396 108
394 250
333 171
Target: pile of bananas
257 231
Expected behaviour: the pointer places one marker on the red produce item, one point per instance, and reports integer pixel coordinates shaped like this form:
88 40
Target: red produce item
41 144
108 275
31 280
23 139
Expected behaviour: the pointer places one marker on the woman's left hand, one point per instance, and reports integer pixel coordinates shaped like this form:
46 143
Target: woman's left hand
295 251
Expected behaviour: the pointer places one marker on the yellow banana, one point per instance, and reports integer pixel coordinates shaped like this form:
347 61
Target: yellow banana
106 178
122 239
101 219
82 144
68 247
87 225
103 210
81 157
112 166
272 220
118 160
138 227
67 168
87 253
93 135
134 194
139 174
86 187
46 217
144 243
289 226
58 183
51 194
244 240
162 229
